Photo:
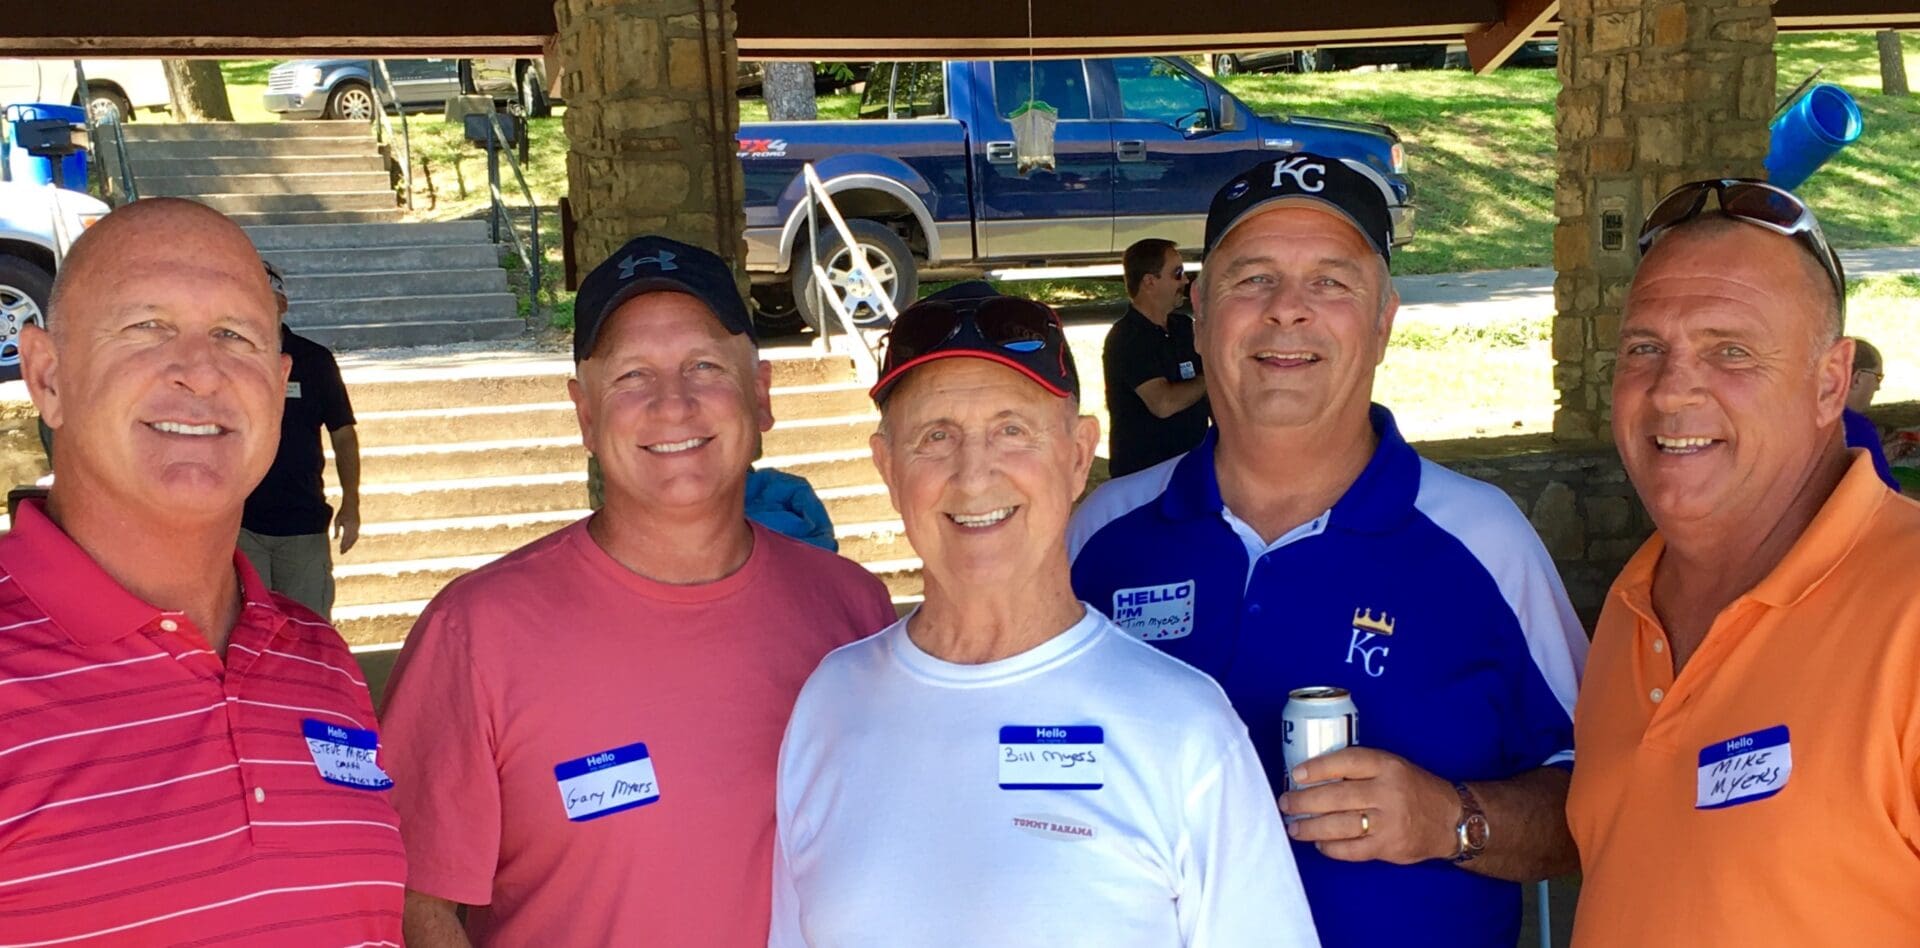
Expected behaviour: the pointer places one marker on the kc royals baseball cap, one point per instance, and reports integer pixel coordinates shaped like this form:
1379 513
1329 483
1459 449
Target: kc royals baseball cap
1350 189
656 264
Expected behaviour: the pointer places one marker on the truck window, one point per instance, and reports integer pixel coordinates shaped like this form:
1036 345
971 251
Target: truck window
878 97
920 90
1062 84
1158 90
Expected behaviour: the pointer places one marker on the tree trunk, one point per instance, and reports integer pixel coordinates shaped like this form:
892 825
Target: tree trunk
788 89
198 90
1893 65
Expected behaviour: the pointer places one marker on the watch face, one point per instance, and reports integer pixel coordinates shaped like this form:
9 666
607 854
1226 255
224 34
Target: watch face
1477 831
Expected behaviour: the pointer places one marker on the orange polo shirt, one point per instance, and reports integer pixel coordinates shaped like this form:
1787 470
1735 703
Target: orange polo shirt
1766 795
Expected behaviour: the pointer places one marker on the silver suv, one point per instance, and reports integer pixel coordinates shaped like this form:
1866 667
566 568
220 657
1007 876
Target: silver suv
343 88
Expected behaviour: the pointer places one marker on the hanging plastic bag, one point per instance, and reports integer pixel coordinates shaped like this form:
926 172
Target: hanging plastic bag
1033 126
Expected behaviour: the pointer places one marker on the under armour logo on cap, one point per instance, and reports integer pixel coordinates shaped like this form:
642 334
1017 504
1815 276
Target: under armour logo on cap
663 260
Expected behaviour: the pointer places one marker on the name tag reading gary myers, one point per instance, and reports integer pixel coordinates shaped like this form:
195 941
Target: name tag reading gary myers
1745 769
345 755
1052 758
603 784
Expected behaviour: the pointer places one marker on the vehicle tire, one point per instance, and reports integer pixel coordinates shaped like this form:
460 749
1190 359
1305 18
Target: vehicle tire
887 254
101 98
1308 60
1225 65
351 99
533 96
24 288
774 311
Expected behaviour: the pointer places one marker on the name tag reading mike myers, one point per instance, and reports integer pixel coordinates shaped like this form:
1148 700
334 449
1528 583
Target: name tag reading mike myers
606 783
1745 769
1052 757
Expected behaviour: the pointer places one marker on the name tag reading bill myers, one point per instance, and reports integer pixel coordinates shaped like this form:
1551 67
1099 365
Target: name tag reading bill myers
606 783
1052 757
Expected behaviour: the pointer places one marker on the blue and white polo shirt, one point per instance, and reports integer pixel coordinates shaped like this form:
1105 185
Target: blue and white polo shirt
1422 591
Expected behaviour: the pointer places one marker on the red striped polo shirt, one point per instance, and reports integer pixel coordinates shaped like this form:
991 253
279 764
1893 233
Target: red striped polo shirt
152 795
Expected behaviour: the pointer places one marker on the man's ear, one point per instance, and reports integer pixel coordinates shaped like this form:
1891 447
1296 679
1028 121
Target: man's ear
1086 443
39 364
883 462
582 409
1835 374
763 394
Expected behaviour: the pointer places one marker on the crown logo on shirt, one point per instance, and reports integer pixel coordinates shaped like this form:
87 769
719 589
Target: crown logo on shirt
1363 619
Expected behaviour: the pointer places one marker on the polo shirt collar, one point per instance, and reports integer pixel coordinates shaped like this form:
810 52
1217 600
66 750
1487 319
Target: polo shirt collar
87 604
1378 501
1836 529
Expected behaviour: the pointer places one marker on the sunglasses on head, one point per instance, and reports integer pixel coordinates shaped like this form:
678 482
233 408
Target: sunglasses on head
1020 327
1754 202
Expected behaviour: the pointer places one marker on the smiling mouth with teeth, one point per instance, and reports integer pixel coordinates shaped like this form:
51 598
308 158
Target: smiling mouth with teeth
677 446
987 519
1300 357
179 428
1673 445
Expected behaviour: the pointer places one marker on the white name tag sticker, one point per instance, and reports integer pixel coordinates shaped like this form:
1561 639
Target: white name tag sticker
1052 758
1155 613
1745 769
1187 371
345 755
606 783
293 389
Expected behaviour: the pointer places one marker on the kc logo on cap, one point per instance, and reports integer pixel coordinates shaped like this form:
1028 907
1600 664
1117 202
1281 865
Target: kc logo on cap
1348 188
1298 168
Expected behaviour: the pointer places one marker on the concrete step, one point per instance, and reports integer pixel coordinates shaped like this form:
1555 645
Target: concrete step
901 576
228 131
453 536
865 503
382 624
312 287
827 469
401 580
380 199
447 307
253 147
294 183
471 496
557 420
145 165
320 235
439 462
392 335
873 542
343 260
533 383
276 218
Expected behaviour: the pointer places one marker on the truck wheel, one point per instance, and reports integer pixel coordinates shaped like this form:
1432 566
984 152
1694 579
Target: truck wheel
24 288
103 99
1224 64
1308 60
892 263
351 100
774 312
533 96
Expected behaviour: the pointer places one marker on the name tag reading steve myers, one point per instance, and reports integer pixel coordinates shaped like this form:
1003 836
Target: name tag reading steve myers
345 755
603 784
1048 757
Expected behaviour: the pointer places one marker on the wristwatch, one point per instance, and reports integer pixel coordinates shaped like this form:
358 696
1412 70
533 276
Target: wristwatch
1472 832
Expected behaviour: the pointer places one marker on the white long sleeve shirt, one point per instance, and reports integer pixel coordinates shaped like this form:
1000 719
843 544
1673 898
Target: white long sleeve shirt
1091 791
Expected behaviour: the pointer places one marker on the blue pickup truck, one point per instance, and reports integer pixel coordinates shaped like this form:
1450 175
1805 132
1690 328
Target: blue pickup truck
927 179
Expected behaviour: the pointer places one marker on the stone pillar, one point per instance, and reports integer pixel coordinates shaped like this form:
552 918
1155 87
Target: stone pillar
649 89
1653 93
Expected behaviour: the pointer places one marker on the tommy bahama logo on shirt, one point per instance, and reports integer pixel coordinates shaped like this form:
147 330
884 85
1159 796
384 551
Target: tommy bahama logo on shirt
1053 827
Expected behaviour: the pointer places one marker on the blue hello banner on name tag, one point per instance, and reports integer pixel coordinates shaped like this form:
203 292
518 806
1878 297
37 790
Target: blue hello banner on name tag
1744 769
606 783
1045 757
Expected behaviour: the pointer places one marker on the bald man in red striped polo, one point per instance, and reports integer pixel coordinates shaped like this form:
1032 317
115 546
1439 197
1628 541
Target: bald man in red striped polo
185 757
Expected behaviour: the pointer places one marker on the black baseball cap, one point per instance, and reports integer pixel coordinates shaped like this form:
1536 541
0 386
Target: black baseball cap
973 320
652 264
1353 190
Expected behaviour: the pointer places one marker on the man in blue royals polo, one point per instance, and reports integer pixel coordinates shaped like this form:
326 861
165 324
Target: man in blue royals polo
1304 542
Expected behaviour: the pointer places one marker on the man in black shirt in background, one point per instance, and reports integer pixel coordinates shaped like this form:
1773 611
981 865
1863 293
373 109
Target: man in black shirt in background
1156 395
284 530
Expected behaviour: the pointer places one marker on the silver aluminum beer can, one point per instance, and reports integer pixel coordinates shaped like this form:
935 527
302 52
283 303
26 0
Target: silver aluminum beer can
1317 720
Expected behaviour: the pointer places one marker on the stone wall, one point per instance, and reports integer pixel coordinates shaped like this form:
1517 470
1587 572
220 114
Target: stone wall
1579 501
652 118
1654 93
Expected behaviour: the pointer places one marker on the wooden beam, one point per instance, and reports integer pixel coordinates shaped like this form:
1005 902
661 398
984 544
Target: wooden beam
1492 45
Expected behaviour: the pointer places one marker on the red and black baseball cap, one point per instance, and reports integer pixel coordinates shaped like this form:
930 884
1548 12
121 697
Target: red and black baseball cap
652 264
973 320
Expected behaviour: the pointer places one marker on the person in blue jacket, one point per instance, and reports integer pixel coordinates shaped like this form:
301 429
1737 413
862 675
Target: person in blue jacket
786 504
1869 370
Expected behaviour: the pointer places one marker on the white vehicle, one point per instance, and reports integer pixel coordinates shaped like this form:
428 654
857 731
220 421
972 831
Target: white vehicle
38 222
123 84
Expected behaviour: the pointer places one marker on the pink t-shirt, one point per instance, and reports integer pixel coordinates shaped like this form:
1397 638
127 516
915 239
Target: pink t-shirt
514 721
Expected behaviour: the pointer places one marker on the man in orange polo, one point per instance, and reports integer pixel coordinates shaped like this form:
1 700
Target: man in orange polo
1749 727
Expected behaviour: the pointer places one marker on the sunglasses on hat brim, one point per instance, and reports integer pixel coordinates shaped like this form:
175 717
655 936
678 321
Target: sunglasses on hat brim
1020 333
1752 202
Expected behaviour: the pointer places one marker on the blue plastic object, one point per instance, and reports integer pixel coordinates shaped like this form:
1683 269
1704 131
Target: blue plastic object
1809 132
35 170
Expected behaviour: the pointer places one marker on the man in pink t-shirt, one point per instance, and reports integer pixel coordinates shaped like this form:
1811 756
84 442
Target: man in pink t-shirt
583 734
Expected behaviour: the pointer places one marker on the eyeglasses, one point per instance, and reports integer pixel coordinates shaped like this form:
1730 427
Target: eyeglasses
1878 377
1757 203
1022 328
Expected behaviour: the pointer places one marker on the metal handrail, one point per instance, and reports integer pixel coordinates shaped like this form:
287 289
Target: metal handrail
866 362
497 211
129 191
386 127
